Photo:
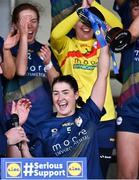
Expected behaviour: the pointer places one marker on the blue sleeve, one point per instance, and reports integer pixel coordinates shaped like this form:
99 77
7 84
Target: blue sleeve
90 111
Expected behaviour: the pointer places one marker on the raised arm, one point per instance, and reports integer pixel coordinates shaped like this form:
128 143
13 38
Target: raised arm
22 109
134 30
8 64
22 56
58 34
99 89
45 54
110 17
68 23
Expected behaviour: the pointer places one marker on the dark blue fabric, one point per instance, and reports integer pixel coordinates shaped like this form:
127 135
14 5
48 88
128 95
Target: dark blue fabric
129 99
107 134
128 105
3 145
73 136
128 124
34 85
3 140
124 12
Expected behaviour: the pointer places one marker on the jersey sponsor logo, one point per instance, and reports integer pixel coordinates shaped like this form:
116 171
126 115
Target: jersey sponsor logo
38 70
67 124
81 66
78 56
85 64
68 144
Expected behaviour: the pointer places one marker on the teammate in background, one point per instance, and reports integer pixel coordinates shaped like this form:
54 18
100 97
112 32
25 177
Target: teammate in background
119 7
7 64
34 69
60 9
78 56
128 103
10 137
9 72
14 135
72 132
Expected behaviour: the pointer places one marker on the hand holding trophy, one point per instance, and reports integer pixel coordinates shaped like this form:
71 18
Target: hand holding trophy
117 38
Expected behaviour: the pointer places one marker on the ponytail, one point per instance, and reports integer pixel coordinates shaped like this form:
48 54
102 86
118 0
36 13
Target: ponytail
80 101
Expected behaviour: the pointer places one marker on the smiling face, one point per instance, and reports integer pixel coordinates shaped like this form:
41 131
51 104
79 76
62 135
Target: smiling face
64 99
83 32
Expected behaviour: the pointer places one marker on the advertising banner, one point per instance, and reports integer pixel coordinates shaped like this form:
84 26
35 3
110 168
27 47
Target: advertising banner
43 168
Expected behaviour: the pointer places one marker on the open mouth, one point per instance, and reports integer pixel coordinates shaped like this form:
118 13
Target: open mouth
63 105
85 29
30 34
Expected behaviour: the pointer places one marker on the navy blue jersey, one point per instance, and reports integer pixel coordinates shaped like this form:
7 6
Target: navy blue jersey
129 98
73 136
34 85
128 102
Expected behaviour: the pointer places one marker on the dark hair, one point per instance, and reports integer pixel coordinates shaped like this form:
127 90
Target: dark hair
134 3
21 7
73 84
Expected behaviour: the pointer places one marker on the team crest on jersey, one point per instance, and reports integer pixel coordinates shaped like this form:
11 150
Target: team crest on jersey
78 121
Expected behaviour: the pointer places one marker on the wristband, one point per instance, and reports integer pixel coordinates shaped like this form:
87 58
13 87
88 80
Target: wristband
48 66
